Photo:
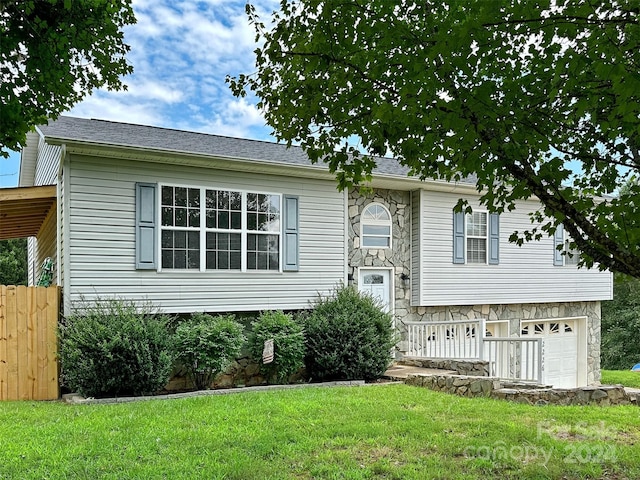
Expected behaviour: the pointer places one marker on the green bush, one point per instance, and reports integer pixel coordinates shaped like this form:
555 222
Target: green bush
205 346
288 340
348 336
620 348
113 347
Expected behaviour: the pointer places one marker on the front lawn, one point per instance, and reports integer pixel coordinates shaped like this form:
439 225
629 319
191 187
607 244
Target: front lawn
623 377
381 431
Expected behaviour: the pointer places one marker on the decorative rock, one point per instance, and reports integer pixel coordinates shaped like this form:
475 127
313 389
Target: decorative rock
598 394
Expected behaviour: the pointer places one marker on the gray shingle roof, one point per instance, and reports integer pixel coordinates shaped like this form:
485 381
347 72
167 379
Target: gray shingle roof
130 135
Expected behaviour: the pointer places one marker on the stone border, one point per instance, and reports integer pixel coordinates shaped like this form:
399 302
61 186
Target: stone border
475 368
492 387
76 398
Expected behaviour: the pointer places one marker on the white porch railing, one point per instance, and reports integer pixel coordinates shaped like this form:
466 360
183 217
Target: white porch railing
513 358
461 340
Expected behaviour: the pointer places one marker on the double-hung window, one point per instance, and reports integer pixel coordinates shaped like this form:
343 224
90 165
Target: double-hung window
476 230
180 242
216 229
223 230
564 254
476 238
263 231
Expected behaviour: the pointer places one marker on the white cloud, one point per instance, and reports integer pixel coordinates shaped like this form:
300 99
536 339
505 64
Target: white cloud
236 118
181 52
108 107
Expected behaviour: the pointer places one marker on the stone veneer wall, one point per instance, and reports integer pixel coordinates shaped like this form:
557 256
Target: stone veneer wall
399 256
399 259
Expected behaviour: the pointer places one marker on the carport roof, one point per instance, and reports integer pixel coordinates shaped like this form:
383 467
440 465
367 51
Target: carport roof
24 209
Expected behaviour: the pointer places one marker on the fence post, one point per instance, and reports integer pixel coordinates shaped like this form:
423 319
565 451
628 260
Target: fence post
483 329
540 359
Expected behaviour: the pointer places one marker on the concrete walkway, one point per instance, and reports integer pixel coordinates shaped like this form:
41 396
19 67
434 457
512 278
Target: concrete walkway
634 394
402 372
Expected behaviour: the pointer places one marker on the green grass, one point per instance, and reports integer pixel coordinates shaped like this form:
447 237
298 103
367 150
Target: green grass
623 377
374 432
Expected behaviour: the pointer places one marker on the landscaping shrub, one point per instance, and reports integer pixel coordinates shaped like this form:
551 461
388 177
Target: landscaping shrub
288 340
114 347
206 345
348 336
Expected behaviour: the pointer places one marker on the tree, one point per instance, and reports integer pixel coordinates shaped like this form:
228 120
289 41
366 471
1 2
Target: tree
621 325
52 54
13 262
535 99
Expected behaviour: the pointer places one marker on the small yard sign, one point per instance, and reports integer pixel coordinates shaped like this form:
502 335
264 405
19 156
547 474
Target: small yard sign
267 352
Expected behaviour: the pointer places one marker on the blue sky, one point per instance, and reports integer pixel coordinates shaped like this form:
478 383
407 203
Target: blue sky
181 52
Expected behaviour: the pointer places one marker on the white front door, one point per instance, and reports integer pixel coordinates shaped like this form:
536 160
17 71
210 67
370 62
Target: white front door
376 283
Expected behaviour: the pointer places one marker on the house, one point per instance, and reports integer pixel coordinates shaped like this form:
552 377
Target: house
196 222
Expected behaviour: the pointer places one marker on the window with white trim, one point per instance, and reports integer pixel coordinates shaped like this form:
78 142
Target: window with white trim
375 227
564 254
476 233
476 238
571 255
240 231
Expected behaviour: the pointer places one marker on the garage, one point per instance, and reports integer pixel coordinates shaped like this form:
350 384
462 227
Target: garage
564 354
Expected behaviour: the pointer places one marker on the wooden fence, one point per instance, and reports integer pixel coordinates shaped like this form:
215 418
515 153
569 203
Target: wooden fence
28 342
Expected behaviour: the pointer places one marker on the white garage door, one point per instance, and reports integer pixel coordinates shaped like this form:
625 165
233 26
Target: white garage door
560 350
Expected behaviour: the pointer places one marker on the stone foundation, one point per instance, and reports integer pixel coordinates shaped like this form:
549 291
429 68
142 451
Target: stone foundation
243 372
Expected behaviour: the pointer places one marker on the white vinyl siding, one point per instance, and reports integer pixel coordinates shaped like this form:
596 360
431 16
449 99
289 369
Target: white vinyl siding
416 241
525 274
102 240
48 163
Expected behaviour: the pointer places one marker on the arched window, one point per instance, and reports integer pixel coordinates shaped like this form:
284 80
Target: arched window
375 227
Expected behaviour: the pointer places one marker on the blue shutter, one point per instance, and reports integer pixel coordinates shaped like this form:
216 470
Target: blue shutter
558 241
494 239
291 256
458 237
146 238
